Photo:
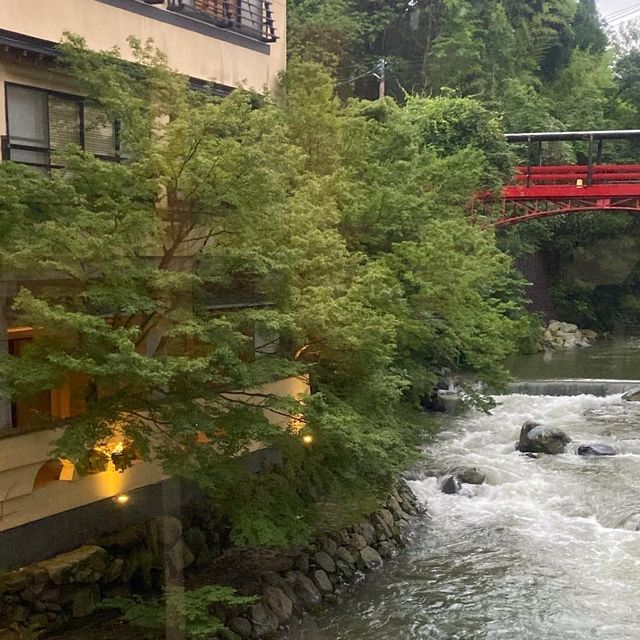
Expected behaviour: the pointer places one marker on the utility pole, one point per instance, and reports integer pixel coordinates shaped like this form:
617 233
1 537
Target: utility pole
381 78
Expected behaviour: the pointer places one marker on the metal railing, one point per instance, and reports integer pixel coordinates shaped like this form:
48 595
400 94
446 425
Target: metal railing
251 17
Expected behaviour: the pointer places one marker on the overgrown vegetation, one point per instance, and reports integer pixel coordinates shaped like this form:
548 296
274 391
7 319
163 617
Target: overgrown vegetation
179 613
551 65
342 228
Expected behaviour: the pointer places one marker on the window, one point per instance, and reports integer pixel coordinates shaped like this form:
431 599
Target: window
40 123
41 410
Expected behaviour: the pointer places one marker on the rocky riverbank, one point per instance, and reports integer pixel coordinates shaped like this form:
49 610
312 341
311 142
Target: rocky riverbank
563 336
50 595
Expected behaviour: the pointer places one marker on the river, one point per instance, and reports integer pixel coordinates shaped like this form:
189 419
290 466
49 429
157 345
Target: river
538 552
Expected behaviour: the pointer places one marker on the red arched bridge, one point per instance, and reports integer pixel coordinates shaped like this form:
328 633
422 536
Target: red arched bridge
539 191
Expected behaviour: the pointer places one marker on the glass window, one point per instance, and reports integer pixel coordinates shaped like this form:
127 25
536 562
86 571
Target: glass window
41 122
27 116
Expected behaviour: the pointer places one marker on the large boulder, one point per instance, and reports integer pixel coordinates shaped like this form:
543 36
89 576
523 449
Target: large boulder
596 449
536 438
469 475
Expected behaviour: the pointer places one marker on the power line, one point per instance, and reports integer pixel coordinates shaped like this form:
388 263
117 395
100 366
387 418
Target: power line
617 12
362 75
623 14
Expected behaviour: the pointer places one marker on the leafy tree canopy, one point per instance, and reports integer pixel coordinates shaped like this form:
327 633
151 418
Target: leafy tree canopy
345 230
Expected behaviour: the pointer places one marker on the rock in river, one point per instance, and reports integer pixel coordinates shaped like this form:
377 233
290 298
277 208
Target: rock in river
633 395
449 484
536 438
469 475
596 449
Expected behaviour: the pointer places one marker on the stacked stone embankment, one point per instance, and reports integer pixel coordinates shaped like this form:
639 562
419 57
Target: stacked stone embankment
563 336
48 594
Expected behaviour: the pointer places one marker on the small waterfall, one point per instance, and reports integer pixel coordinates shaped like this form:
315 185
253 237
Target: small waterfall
572 387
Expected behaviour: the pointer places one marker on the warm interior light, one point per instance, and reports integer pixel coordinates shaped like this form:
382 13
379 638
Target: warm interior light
307 439
118 448
123 498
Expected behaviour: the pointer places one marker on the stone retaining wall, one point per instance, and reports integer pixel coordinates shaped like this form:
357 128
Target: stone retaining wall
46 595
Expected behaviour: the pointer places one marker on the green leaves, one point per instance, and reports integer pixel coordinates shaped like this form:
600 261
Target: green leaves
342 232
185 611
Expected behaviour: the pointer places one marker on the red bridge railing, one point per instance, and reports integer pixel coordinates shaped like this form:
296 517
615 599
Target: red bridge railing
540 191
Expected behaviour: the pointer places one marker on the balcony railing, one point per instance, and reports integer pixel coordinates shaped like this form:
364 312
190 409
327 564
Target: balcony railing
254 18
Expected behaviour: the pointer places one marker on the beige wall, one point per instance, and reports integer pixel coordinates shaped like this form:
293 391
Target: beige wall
103 26
22 456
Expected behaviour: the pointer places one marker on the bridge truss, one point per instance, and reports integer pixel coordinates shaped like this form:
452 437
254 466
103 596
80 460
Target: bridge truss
542 191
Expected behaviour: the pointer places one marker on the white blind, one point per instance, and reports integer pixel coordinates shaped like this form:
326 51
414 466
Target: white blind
27 116
64 122
99 134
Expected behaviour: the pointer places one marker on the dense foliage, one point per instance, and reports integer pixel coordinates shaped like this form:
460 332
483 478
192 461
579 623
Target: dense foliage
544 65
346 226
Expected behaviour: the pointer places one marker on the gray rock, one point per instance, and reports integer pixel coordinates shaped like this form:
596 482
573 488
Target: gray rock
18 614
345 569
302 563
469 475
370 557
329 546
114 570
241 626
343 536
633 395
394 506
84 601
305 589
324 561
178 558
279 602
164 532
596 449
449 484
345 555
358 541
263 620
38 621
536 438
387 550
387 517
367 531
322 581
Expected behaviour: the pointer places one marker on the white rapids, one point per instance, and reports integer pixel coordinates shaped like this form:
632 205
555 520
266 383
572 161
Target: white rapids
538 552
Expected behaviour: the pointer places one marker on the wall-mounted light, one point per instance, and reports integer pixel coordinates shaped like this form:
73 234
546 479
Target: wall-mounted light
123 498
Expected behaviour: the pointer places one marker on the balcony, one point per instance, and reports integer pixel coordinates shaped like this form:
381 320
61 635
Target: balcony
253 18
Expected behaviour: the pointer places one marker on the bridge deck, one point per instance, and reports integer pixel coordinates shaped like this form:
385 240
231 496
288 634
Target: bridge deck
543 191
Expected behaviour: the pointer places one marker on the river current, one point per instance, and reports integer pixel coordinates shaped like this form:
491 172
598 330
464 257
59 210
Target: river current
538 552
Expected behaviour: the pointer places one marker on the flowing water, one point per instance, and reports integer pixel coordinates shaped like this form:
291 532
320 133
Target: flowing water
539 552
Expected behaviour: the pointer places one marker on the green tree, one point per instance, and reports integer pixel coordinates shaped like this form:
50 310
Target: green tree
349 224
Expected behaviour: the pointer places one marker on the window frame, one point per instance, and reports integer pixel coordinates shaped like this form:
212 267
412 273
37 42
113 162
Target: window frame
81 101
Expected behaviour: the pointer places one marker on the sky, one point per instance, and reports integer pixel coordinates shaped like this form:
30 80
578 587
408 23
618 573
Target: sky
619 10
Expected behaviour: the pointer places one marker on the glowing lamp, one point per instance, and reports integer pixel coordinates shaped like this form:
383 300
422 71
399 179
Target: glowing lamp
123 498
307 439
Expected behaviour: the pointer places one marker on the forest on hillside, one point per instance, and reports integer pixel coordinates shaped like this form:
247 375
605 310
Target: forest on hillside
544 65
